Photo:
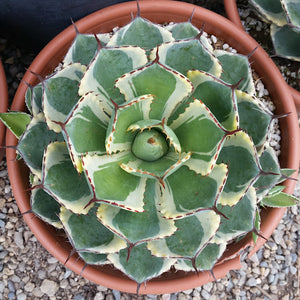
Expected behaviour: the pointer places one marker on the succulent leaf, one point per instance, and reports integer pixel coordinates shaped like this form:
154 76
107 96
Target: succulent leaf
74 191
209 256
92 258
187 55
85 128
119 138
205 260
148 80
217 96
34 98
45 206
276 190
286 173
138 227
239 218
84 48
271 10
108 65
239 154
253 119
257 226
280 200
112 184
142 33
187 192
86 233
61 94
271 172
141 265
198 131
284 17
33 142
16 122
158 169
182 31
292 9
185 242
286 41
236 67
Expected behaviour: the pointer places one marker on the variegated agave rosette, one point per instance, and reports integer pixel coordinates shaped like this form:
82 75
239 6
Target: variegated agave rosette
148 147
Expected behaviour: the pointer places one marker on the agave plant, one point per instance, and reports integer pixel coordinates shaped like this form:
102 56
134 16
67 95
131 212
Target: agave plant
284 17
149 148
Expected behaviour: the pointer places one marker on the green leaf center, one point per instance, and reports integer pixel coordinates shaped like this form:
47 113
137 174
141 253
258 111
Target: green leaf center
150 145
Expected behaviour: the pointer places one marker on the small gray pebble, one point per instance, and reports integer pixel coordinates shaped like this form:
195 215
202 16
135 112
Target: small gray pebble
42 274
3 173
11 295
2 287
19 239
205 294
78 297
173 296
275 266
21 296
229 286
2 224
294 257
251 282
275 281
242 280
109 297
67 274
264 264
279 250
279 257
260 254
11 286
117 294
272 245
3 254
288 259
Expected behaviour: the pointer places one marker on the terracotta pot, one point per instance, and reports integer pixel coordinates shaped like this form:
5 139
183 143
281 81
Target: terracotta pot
233 15
3 107
158 11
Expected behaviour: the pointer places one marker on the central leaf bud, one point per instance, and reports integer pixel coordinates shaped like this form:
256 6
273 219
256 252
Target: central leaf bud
150 145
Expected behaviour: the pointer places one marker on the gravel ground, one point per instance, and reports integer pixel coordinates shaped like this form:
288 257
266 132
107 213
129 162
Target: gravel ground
28 271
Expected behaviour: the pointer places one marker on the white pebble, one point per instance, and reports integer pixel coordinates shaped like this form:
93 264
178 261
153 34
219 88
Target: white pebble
225 46
214 39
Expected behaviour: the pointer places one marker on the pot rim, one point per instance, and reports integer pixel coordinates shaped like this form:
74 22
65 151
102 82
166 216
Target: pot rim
234 16
3 107
157 11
